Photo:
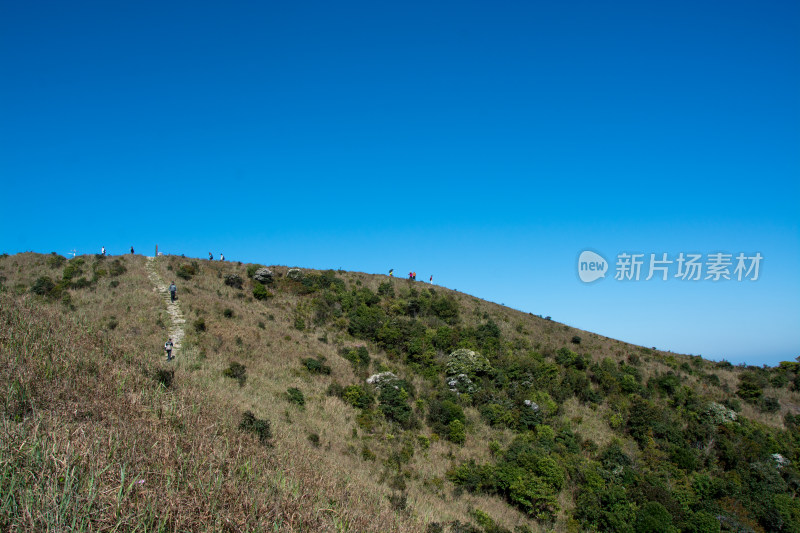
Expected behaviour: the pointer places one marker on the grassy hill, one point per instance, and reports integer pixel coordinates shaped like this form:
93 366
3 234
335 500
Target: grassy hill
271 418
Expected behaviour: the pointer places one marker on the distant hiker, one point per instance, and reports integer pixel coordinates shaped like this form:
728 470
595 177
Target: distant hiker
168 348
221 257
391 272
210 257
431 280
103 250
131 250
172 290
414 277
410 276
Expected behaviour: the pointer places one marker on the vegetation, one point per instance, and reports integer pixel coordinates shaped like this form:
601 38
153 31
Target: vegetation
422 410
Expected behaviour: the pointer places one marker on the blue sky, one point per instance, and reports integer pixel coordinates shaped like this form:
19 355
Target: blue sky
487 144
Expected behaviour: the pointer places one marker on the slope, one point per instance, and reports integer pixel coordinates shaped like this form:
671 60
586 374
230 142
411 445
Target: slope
491 419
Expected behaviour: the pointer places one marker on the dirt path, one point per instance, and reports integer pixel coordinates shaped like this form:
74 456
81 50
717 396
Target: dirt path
173 308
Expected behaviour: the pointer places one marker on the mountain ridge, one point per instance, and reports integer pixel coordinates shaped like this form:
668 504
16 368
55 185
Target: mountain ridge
422 454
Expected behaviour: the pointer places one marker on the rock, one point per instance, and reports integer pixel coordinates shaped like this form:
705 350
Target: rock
263 275
295 274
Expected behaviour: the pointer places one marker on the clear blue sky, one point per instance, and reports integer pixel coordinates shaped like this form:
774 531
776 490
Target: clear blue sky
485 143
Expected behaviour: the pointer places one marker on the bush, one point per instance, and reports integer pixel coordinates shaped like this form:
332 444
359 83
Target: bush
43 286
187 271
654 518
386 289
393 404
200 325
236 371
56 261
251 270
165 377
457 432
233 280
316 366
576 340
750 387
442 413
467 362
260 428
357 396
295 396
116 268
260 291
359 357
227 312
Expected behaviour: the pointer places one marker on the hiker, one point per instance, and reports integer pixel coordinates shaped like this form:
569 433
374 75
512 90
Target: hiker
415 276
131 250
210 257
431 280
410 276
168 348
221 257
103 250
391 272
172 290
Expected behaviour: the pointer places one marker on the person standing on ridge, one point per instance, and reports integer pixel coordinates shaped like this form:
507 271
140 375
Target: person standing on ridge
168 348
431 280
221 257
210 257
131 250
103 250
172 290
391 272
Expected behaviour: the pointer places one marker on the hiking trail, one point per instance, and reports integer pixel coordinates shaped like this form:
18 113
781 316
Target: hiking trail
173 309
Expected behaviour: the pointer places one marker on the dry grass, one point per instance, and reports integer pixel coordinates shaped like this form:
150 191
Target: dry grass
96 421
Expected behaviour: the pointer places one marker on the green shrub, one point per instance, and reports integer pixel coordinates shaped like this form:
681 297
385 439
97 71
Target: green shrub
457 432
236 371
187 271
43 286
358 357
56 261
313 438
576 340
251 270
441 413
654 518
165 377
117 268
393 404
299 323
316 366
260 428
357 396
73 269
386 289
227 312
200 324
295 395
234 280
260 291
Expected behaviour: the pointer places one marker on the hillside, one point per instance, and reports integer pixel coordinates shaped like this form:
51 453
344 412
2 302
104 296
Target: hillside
271 416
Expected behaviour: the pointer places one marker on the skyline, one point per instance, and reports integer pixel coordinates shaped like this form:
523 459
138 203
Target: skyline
487 146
